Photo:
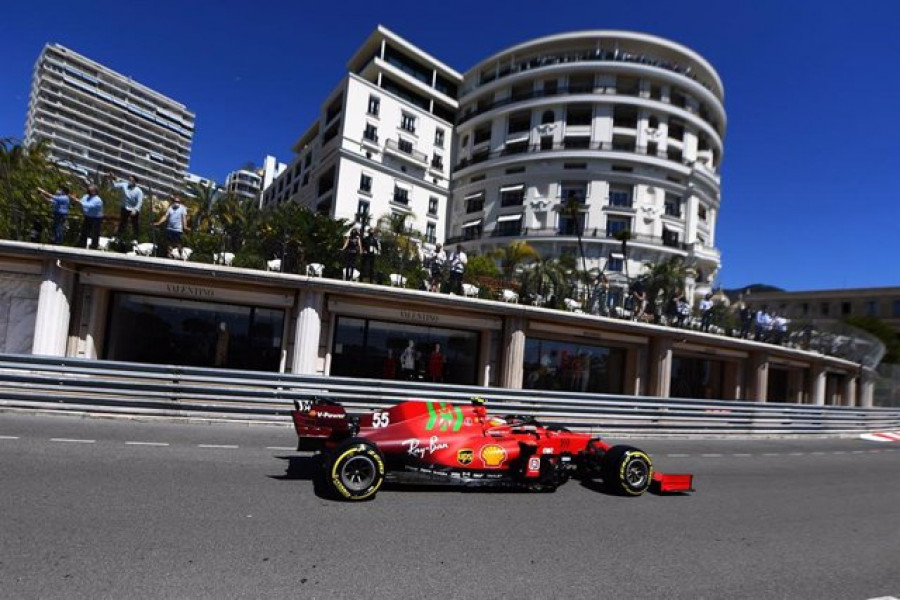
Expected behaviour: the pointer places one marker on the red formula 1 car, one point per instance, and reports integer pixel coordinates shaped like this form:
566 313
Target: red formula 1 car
435 442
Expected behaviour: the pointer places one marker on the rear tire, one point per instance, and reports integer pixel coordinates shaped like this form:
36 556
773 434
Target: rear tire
627 471
354 470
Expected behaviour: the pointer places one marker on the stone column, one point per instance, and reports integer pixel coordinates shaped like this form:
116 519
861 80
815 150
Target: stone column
795 386
513 352
635 374
96 327
659 367
851 382
307 332
758 376
817 384
867 388
51 325
733 382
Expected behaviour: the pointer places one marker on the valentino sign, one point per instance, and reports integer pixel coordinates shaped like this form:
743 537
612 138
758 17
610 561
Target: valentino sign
190 290
419 317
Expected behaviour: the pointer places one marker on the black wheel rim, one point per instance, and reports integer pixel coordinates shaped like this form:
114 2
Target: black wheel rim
636 472
358 473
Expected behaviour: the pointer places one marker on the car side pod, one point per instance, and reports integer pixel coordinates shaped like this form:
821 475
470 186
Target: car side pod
672 483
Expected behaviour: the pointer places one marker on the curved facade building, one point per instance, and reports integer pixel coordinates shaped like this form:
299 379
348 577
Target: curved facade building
629 125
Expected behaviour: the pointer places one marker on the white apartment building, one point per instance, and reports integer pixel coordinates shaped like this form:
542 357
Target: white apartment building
630 125
382 142
250 183
97 120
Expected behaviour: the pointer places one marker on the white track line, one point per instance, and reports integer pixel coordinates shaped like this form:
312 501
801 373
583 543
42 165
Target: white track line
677 455
711 455
146 444
9 437
291 449
72 441
217 446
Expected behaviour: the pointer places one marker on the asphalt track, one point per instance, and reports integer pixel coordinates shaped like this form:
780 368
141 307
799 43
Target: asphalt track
123 509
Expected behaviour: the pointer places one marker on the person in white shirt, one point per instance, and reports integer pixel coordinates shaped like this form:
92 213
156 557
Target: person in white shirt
706 306
130 207
458 261
176 223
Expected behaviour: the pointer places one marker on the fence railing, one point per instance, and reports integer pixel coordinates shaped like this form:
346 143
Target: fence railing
118 388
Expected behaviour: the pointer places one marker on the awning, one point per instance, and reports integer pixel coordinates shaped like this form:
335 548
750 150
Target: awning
512 188
578 133
517 139
472 223
504 218
402 185
617 255
475 195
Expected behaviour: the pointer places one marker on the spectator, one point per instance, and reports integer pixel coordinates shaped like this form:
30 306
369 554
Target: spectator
352 247
780 328
176 223
61 202
745 314
130 207
638 299
599 305
371 248
763 325
92 208
458 261
706 306
436 268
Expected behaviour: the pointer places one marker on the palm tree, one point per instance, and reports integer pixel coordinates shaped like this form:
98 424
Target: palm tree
665 277
571 208
623 236
204 197
512 256
544 278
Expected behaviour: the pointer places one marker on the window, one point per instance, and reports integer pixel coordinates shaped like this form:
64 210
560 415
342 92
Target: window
548 117
620 196
439 138
581 84
871 308
519 122
895 309
625 116
508 226
437 162
579 114
577 142
550 87
673 206
627 86
512 195
515 147
432 205
430 232
475 202
408 122
482 134
365 183
824 309
405 146
370 133
572 226
670 238
574 166
374 105
514 170
615 263
471 231
676 129
362 211
678 99
401 195
521 91
701 212
846 308
576 188
616 225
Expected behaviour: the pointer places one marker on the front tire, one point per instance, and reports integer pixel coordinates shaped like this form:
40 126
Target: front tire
354 470
627 471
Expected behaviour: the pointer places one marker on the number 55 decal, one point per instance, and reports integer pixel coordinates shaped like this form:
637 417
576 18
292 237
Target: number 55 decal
380 419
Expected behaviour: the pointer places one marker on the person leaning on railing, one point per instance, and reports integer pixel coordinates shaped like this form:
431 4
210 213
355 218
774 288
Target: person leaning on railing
92 208
61 203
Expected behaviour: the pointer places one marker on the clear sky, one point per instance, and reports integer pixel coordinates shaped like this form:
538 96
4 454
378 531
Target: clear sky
811 176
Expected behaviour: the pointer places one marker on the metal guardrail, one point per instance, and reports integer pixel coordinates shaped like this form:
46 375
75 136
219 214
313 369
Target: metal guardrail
118 388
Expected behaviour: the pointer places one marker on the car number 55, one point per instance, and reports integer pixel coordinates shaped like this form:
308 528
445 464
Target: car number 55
380 419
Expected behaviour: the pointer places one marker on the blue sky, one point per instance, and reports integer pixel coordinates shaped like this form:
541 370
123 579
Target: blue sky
811 176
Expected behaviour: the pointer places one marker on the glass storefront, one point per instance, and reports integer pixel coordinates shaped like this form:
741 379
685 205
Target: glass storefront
151 329
383 350
697 378
572 367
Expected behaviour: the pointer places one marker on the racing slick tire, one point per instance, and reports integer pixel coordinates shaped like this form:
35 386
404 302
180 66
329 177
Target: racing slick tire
627 471
354 470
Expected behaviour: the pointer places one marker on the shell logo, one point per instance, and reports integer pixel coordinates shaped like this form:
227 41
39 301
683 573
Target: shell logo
493 456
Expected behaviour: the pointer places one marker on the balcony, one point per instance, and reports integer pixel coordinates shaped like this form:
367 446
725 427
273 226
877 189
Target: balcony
407 152
483 156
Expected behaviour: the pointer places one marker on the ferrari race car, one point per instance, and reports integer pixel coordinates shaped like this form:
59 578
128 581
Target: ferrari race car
434 442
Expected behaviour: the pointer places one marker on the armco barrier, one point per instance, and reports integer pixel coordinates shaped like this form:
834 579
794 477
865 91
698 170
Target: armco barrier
117 388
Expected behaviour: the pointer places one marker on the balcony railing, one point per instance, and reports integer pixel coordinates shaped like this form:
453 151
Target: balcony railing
408 151
527 149
587 233
588 55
